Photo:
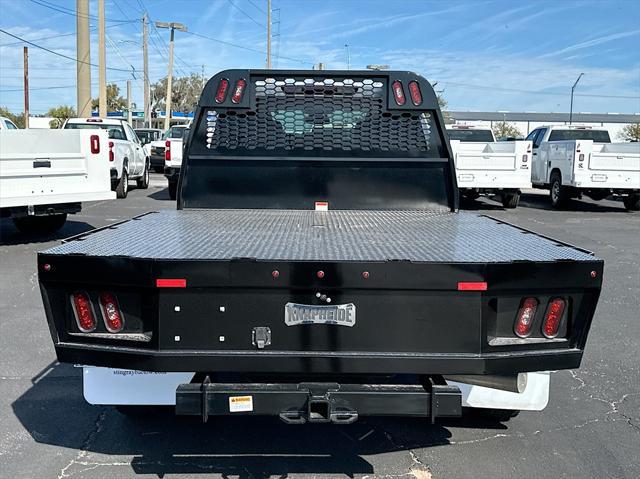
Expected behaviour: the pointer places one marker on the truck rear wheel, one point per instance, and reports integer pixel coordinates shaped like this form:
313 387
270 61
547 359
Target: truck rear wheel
510 200
123 185
143 181
40 224
173 189
558 193
500 415
632 202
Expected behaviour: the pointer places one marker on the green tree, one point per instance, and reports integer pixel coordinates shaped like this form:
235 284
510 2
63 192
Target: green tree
630 132
17 119
114 101
60 114
185 92
504 129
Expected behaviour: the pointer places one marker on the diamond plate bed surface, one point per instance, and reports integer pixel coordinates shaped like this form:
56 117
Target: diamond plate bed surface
296 235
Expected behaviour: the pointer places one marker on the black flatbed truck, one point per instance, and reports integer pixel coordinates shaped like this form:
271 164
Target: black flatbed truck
317 267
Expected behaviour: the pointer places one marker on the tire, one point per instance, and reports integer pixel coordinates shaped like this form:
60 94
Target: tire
123 185
143 181
173 189
500 415
632 202
510 200
558 193
40 224
469 195
158 169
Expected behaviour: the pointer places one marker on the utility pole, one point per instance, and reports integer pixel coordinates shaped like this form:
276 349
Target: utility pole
145 61
172 26
129 101
346 45
83 59
268 34
26 86
102 63
572 89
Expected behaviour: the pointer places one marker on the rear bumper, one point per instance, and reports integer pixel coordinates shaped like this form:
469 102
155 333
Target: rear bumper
298 403
318 362
40 210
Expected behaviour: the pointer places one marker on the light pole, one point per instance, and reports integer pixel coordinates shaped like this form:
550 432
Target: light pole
172 26
572 89
346 45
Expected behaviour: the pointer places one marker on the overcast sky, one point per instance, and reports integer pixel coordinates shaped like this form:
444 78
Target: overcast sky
485 55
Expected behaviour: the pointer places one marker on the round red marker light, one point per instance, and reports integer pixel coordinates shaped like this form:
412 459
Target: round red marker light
594 274
365 274
320 274
275 273
46 267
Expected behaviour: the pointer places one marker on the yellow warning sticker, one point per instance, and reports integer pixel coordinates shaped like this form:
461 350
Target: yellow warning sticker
240 403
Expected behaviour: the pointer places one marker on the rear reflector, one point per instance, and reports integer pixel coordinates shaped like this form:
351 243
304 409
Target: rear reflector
526 315
111 155
398 92
83 312
414 91
171 283
167 150
223 87
238 91
472 286
111 314
553 318
95 144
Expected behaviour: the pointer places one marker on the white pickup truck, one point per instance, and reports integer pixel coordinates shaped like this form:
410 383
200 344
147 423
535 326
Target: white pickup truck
46 174
485 166
571 161
169 151
126 155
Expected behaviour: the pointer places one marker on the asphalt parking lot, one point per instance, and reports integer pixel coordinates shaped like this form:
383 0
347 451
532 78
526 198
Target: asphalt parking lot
591 427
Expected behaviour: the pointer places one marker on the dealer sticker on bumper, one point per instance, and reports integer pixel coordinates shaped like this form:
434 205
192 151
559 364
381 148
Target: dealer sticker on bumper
240 403
338 314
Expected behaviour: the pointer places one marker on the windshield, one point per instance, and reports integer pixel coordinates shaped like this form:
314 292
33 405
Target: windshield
174 132
598 136
115 132
146 136
470 135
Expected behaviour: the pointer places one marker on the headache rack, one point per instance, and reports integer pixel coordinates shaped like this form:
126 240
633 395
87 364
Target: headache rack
301 120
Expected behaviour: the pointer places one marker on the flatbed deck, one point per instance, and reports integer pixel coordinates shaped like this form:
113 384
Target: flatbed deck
333 236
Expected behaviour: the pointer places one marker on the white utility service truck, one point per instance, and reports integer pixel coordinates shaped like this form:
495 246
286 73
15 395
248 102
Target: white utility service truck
485 166
571 161
46 174
126 155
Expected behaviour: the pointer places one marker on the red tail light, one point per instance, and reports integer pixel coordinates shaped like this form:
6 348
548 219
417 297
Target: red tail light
398 92
553 318
167 150
221 94
111 155
83 311
526 315
111 314
238 91
95 144
414 91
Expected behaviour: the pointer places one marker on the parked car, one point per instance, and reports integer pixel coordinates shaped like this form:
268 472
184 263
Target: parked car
573 160
485 166
47 174
158 147
146 136
7 124
317 269
126 155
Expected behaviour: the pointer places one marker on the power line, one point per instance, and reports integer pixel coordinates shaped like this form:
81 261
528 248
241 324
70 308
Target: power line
247 15
249 49
58 87
58 36
56 53
67 11
261 10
